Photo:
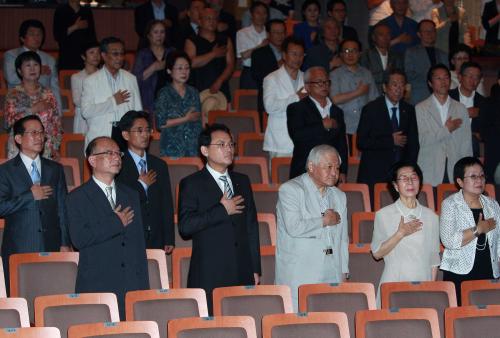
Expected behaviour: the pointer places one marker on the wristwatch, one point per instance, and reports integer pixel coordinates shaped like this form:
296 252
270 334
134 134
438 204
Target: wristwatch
475 232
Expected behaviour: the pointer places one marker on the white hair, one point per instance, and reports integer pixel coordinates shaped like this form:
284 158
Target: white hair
317 153
308 72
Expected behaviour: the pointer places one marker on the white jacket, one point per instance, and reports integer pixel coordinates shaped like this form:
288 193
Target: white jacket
99 107
456 217
278 93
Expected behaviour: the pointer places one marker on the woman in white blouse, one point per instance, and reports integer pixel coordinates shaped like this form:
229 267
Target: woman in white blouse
405 233
91 56
468 228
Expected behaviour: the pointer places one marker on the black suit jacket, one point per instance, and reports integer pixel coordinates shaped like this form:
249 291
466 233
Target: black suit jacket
479 102
112 257
32 226
144 13
182 32
305 127
225 248
490 133
156 205
489 12
377 144
263 63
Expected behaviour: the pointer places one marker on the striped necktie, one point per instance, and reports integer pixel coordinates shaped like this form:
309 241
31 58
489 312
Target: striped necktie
227 187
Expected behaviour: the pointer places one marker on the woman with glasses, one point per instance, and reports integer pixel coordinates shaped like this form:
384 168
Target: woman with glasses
468 228
177 110
405 233
31 98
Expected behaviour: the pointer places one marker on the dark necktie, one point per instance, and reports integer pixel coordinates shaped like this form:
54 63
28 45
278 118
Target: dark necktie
395 127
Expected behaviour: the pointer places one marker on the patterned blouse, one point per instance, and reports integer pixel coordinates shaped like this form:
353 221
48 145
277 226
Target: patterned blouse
181 140
18 104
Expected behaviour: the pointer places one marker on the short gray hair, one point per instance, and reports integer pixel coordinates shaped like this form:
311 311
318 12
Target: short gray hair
318 152
308 72
330 19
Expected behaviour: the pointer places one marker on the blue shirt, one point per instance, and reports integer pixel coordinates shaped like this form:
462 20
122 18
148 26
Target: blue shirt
390 105
158 11
409 26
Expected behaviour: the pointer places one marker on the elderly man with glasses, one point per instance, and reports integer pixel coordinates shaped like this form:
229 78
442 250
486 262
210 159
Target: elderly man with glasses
105 226
315 120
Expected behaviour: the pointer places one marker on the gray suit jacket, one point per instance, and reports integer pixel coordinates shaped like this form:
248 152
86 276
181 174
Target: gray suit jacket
437 144
371 59
32 226
417 64
49 81
300 258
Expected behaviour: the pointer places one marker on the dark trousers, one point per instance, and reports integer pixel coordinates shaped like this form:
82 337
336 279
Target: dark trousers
246 79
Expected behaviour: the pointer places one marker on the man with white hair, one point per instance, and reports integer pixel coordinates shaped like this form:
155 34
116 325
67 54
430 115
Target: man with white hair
312 245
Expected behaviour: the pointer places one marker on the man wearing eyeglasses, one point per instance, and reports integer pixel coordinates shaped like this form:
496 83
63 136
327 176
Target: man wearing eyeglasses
148 175
32 196
315 120
105 225
109 93
216 210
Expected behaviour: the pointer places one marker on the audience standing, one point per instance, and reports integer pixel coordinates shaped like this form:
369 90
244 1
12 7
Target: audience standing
267 59
249 39
109 93
444 130
178 110
419 59
387 132
105 226
32 36
150 62
190 25
381 58
30 97
32 197
274 14
212 56
148 175
91 56
337 10
154 10
405 233
458 57
308 29
469 229
73 27
352 86
312 225
280 88
326 52
216 210
403 28
315 120
469 78
226 23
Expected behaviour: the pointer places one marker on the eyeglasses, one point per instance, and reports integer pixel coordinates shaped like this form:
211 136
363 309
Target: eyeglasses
320 83
221 145
475 178
350 51
110 153
34 133
407 179
141 130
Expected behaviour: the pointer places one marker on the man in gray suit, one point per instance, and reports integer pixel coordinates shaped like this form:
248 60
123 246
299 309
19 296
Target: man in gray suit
32 196
312 236
419 59
32 36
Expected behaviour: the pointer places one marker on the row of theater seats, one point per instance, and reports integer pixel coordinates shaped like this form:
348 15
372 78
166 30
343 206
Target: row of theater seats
409 309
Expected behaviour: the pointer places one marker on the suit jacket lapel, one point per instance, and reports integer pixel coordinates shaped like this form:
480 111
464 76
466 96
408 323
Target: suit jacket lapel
97 197
212 190
429 105
377 60
46 172
24 175
314 110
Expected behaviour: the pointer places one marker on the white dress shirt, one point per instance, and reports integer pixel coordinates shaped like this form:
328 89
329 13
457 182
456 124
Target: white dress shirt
28 160
383 58
390 105
216 175
324 111
248 38
103 187
442 108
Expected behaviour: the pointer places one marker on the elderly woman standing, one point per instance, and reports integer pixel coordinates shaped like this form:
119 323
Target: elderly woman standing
405 233
468 228
31 98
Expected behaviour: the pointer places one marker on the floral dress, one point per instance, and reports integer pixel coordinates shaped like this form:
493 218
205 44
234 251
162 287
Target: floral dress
18 105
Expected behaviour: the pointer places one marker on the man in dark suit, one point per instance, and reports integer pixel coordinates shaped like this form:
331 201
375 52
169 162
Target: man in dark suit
189 25
469 77
266 60
315 120
491 23
32 197
154 10
148 175
217 210
105 225
387 132
337 9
